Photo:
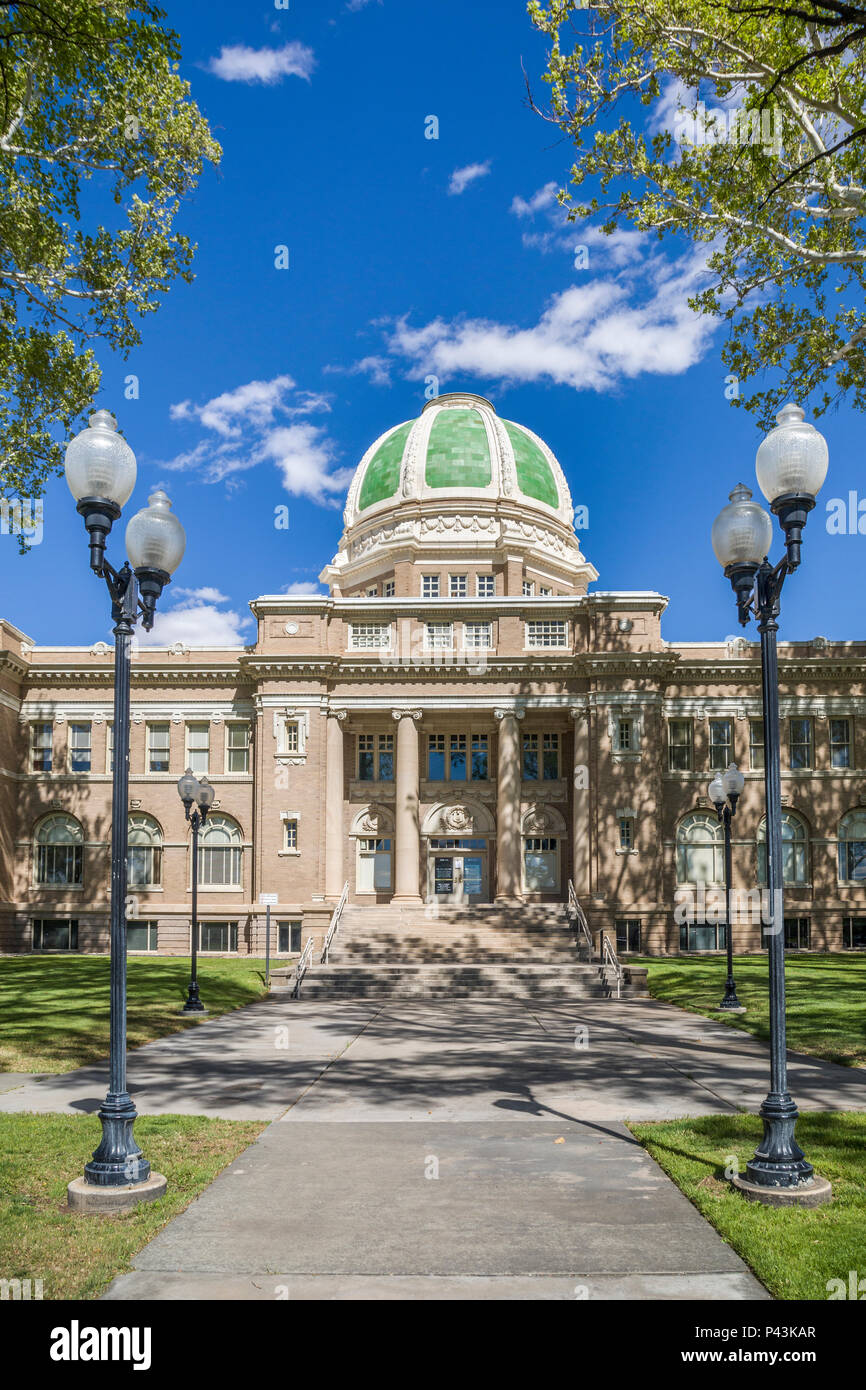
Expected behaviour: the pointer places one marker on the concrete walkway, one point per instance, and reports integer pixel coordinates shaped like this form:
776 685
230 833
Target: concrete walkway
461 1150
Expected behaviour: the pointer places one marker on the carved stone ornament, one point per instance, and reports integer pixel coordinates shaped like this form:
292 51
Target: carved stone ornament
216 717
537 821
458 818
338 714
415 714
60 717
370 823
500 714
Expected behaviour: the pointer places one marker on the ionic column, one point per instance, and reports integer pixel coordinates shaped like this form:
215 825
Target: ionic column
407 869
580 804
508 886
334 855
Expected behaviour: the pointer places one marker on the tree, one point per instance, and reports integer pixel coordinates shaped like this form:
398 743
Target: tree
755 144
89 94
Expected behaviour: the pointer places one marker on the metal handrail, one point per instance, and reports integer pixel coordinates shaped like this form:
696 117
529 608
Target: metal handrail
335 922
575 907
609 957
302 966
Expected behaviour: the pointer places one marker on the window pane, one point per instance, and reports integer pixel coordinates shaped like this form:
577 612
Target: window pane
158 743
479 758
458 758
720 743
436 757
840 743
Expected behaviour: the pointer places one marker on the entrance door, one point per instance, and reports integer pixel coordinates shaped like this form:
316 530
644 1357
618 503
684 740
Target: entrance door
459 878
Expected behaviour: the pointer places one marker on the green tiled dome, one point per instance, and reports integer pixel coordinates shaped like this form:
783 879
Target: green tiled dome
458 444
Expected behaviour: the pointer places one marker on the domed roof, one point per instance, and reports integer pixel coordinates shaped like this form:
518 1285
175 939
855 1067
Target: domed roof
458 448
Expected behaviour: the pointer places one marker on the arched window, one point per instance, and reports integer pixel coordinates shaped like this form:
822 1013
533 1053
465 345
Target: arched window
701 849
852 847
795 850
144 859
59 852
219 853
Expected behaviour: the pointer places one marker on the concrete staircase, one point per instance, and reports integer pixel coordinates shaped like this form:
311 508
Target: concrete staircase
487 951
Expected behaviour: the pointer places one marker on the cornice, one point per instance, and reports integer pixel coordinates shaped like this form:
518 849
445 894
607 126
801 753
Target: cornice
140 675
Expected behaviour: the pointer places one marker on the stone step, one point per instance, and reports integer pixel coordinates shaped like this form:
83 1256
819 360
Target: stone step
458 981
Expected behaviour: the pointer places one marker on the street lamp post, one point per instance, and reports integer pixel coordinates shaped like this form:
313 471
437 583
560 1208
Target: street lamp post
101 472
724 792
192 790
791 466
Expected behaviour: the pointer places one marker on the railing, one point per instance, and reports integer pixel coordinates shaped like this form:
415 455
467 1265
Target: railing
579 915
334 925
302 967
609 957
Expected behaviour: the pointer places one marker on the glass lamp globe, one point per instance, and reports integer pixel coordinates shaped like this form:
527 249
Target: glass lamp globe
100 463
742 532
155 538
733 781
793 457
206 793
716 790
188 786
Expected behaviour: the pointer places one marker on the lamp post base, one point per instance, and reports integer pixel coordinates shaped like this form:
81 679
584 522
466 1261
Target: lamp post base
194 1006
86 1197
813 1193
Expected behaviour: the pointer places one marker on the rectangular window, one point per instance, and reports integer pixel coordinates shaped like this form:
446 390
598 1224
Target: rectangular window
528 588
238 749
374 866
800 743
198 747
679 745
109 746
457 585
369 637
288 938
628 935
550 757
218 936
457 758
158 746
545 592
388 588
55 934
438 637
41 739
626 832
373 591
429 586
291 737
720 744
546 634
541 864
485 586
840 743
141 936
436 757
756 744
530 757
477 636
479 758
290 834
366 758
624 736
386 757
79 748
854 933
702 938
219 865
797 933
59 866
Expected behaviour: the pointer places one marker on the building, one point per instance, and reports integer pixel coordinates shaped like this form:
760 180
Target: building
459 720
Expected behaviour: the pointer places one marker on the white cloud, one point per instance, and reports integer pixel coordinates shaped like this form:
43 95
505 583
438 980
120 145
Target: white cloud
263 421
461 178
356 5
523 207
237 63
590 336
193 596
197 621
303 586
378 369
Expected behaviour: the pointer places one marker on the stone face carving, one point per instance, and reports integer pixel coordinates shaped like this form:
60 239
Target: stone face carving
458 818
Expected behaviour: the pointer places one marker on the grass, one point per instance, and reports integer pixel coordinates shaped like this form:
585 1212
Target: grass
54 1009
826 995
794 1251
77 1256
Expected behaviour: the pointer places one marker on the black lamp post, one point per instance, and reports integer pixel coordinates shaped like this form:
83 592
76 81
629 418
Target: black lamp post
724 792
791 466
192 790
101 472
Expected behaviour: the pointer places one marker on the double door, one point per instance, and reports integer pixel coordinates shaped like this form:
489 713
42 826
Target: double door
459 878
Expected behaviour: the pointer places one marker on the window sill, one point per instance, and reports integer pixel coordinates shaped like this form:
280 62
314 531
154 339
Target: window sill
58 888
288 854
627 851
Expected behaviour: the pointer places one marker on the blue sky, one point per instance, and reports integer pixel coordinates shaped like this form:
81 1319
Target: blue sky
408 256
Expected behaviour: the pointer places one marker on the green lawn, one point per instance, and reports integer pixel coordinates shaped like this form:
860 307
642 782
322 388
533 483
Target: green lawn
77 1256
795 1251
54 1009
826 998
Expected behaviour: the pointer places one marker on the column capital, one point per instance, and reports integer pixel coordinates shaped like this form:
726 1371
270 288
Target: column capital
579 711
416 714
340 714
500 714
